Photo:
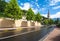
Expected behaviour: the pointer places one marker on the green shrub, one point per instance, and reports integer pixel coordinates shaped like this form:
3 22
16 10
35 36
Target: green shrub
58 25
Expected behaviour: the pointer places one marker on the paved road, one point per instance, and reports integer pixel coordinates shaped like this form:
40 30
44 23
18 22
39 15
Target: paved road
54 35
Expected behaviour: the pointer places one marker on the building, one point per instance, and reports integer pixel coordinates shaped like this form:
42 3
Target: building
48 15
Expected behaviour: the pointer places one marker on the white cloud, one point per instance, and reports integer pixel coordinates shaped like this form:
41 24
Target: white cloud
42 9
26 6
45 15
35 10
57 7
57 15
56 1
53 2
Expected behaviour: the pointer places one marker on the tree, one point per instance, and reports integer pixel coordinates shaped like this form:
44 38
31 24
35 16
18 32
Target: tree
45 22
2 7
56 21
24 12
50 21
12 10
38 17
30 15
43 18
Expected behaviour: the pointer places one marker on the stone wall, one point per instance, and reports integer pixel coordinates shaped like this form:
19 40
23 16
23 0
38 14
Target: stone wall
32 23
24 24
6 23
17 23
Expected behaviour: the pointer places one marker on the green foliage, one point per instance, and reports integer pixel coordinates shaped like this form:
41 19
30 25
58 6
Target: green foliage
38 17
58 25
43 18
12 10
2 5
48 21
1 15
30 15
45 21
24 12
51 21
56 21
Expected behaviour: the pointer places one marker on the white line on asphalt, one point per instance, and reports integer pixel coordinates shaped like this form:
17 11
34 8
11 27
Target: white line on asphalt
15 35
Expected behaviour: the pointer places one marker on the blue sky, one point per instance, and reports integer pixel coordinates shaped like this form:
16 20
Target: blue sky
42 6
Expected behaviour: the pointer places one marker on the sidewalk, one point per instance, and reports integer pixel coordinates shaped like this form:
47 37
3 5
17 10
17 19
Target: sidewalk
54 35
7 29
19 27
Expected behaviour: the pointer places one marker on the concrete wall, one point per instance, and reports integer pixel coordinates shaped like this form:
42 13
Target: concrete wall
24 24
32 23
17 23
6 23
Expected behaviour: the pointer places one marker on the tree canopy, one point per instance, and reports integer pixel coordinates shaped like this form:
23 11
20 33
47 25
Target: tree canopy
2 5
30 15
12 10
38 17
48 21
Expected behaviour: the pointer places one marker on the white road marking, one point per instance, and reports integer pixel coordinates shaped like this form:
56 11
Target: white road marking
15 35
